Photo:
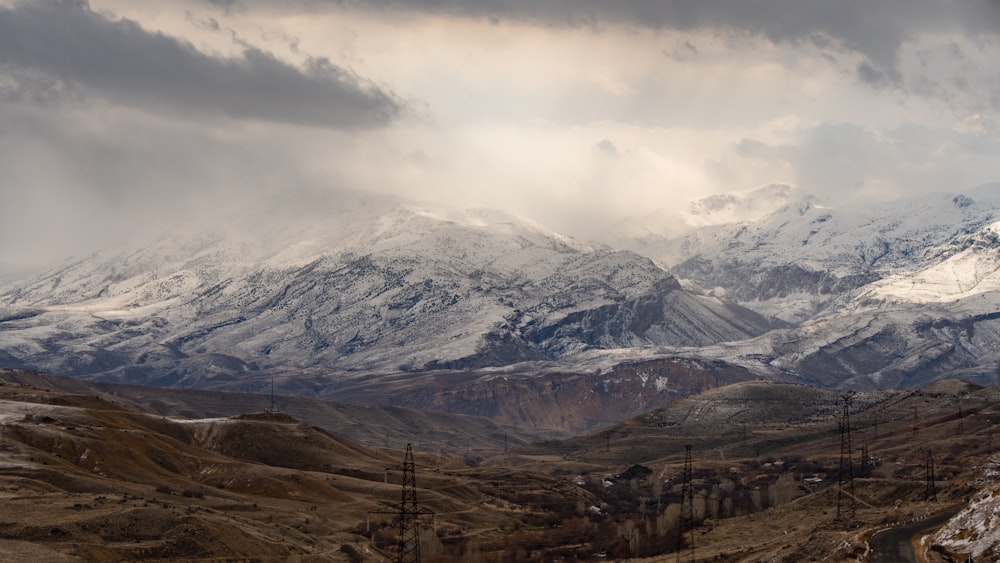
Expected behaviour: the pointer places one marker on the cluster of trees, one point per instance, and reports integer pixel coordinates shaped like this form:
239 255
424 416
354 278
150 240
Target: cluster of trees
633 514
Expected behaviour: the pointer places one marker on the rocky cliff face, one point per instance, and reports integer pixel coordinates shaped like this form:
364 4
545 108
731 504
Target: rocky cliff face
573 401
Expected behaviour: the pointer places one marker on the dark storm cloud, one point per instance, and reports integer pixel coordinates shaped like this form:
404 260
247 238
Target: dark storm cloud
864 25
983 16
62 44
77 177
871 75
36 88
873 28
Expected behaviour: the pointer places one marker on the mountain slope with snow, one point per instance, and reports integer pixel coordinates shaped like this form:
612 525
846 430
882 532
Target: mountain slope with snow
801 259
362 286
895 295
975 531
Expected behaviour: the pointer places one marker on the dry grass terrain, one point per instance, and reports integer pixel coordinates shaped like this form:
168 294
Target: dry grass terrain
83 478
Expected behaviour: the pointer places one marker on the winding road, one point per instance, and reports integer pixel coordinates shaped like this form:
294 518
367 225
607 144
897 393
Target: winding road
895 545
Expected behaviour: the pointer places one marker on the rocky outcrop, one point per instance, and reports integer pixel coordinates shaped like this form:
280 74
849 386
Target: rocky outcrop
573 401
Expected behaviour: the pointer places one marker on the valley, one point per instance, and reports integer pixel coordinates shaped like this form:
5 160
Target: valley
85 477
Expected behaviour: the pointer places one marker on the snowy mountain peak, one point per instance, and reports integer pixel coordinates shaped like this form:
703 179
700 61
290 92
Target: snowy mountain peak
385 287
742 206
853 295
494 221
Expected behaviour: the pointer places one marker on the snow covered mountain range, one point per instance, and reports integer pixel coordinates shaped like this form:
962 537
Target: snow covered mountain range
891 295
359 285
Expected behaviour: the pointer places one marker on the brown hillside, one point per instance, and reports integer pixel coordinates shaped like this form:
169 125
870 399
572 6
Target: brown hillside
82 478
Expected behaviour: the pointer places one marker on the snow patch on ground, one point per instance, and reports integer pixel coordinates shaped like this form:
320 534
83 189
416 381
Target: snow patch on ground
16 411
971 272
199 420
976 529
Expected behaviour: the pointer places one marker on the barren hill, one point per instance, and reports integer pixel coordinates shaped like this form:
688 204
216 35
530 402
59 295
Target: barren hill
379 425
84 478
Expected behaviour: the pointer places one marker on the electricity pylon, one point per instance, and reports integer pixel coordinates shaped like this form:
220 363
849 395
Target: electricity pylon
409 513
846 473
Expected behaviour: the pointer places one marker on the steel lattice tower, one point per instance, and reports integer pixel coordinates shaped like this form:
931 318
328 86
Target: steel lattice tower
930 490
409 512
686 522
865 461
846 473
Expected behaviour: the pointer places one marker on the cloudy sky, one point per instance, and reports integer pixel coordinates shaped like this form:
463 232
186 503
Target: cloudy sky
119 116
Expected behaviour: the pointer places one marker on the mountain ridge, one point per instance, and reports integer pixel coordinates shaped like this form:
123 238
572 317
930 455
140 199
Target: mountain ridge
368 288
891 295
408 288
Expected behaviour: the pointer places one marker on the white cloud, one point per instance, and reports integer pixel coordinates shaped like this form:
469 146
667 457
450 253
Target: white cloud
843 162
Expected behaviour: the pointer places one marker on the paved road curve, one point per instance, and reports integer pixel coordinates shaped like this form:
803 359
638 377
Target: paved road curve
895 545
